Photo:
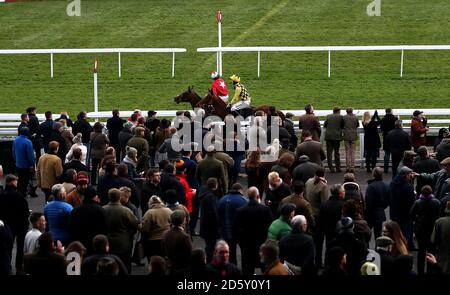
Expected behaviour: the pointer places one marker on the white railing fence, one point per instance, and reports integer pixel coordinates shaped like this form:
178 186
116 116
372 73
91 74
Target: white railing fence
96 50
329 49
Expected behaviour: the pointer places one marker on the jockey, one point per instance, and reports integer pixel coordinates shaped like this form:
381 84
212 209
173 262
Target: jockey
241 98
219 87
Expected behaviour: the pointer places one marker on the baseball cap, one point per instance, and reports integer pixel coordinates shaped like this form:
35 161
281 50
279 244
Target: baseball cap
417 112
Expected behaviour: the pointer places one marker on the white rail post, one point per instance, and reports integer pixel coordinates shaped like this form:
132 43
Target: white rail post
219 16
51 65
173 64
95 87
401 65
329 64
120 67
259 63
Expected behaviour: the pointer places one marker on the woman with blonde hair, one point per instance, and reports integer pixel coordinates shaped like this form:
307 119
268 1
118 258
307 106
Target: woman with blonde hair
392 230
372 142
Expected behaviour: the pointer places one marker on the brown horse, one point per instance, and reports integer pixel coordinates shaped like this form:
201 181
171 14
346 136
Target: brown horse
213 105
189 96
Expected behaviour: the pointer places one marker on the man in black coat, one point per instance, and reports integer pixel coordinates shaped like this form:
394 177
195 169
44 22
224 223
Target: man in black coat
298 247
151 187
114 126
305 170
46 129
355 249
331 212
124 136
377 200
387 124
48 261
14 212
250 228
401 200
6 247
35 131
397 141
424 164
75 163
82 126
56 136
170 181
277 190
209 216
88 220
289 125
100 246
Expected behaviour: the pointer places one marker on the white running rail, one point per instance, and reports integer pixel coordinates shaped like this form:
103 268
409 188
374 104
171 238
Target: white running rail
329 49
96 50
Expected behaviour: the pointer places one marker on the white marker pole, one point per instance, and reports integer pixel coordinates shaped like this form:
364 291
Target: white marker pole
95 86
219 25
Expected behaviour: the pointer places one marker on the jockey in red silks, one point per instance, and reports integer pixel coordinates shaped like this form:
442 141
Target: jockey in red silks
219 87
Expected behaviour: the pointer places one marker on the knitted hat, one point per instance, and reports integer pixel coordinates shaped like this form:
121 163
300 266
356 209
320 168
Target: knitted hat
82 178
345 225
179 165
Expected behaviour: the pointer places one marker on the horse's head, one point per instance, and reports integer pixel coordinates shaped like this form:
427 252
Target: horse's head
185 96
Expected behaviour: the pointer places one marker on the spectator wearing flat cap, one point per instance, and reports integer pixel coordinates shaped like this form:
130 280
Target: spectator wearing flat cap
401 200
440 239
384 247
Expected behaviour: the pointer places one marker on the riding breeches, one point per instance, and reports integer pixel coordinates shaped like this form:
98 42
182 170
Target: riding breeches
243 104
224 98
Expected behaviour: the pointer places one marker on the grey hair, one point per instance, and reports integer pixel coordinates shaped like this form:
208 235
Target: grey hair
56 190
253 193
298 220
221 243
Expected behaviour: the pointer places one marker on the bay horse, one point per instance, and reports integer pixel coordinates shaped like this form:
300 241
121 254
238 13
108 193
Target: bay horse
189 96
213 105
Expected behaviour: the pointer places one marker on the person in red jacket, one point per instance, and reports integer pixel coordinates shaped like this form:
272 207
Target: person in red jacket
219 87
418 130
190 192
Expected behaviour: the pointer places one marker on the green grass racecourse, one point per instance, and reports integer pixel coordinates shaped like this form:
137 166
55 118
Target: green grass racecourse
288 80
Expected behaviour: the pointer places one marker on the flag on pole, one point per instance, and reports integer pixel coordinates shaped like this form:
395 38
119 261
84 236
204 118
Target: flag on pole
219 16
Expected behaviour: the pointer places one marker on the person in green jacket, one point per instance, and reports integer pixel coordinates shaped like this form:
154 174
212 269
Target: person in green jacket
282 226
